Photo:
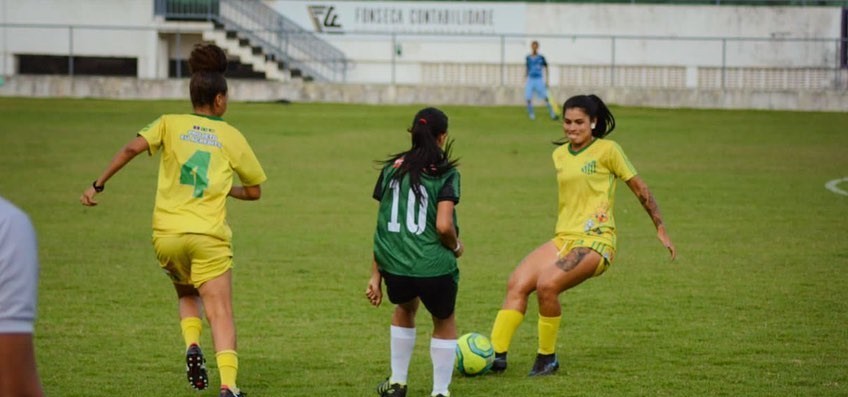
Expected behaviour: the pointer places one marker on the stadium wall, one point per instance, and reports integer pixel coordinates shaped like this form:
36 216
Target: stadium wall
378 34
424 62
89 39
297 91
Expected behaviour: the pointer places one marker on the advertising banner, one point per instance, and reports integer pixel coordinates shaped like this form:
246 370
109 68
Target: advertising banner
404 17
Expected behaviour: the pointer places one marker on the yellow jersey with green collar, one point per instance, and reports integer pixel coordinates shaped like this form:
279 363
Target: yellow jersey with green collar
200 154
587 180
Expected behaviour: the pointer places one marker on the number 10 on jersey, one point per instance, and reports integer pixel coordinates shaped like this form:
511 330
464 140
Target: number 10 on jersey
413 224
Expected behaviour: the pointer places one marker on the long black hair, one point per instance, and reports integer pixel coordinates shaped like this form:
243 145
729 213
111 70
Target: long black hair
207 64
596 109
425 156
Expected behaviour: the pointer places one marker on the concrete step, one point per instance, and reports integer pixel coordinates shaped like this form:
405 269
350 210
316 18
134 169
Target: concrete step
246 54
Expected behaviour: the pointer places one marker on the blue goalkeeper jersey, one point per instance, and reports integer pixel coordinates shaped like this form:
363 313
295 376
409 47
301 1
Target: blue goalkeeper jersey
535 65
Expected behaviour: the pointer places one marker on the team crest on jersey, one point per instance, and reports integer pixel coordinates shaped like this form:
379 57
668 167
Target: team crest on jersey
590 167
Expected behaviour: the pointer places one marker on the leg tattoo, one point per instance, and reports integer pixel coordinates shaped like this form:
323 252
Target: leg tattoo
572 258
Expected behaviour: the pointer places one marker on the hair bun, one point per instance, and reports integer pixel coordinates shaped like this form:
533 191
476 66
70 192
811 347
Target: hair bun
207 58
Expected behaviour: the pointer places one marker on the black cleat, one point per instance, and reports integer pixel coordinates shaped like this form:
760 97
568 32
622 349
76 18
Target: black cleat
499 365
546 364
389 389
196 368
227 392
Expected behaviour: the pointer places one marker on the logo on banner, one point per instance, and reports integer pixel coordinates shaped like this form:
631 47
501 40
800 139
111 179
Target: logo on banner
325 19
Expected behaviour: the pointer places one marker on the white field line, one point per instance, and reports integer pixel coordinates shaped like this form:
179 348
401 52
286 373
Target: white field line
833 186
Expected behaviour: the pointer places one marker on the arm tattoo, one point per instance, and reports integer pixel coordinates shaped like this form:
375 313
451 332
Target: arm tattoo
650 205
572 258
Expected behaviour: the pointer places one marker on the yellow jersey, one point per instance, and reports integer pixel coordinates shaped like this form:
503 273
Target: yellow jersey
199 155
587 180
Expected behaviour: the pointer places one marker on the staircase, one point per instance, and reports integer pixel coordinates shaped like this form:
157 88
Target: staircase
260 37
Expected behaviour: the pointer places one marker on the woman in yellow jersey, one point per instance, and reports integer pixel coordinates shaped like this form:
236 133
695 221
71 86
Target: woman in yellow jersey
587 166
200 154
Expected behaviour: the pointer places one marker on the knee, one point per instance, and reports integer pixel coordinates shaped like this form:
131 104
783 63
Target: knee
547 291
218 310
405 313
518 286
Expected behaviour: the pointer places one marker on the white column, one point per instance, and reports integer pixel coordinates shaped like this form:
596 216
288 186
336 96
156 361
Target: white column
691 77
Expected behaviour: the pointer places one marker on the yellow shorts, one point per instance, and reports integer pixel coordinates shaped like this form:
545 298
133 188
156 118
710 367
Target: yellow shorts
193 259
565 244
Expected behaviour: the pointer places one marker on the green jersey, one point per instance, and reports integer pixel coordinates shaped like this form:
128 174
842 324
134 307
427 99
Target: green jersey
406 242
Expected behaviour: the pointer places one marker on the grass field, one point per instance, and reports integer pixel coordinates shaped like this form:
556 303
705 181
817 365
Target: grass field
755 305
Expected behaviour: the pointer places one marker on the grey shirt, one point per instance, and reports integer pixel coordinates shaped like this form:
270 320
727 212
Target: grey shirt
18 270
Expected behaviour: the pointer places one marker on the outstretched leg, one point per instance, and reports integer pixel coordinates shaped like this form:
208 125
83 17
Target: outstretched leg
522 282
576 266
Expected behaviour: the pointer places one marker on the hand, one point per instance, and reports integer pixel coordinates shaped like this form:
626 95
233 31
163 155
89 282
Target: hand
461 249
666 242
374 291
87 198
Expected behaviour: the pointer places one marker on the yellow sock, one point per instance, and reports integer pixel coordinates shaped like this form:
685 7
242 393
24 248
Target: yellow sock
228 367
506 323
548 330
191 327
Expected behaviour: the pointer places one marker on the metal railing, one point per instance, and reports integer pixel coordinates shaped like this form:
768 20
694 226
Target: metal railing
599 60
191 10
279 38
497 60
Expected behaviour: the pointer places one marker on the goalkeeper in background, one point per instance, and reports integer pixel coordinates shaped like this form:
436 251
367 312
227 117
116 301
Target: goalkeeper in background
536 81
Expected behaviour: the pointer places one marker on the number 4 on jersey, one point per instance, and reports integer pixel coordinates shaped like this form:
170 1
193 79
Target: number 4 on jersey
195 172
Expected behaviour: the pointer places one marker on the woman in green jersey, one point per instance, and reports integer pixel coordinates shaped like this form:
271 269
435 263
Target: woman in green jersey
587 166
200 154
416 244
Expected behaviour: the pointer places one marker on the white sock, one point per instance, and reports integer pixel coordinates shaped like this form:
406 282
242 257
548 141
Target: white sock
443 354
403 342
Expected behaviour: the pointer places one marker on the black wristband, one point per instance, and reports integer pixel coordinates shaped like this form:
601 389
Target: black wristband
97 189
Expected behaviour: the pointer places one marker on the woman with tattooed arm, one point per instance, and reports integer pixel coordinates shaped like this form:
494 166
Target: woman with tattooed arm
587 166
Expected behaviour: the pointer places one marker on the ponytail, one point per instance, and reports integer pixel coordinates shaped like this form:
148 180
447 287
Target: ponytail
425 156
605 122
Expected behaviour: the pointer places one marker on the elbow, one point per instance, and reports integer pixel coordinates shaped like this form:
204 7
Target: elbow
252 193
444 228
253 197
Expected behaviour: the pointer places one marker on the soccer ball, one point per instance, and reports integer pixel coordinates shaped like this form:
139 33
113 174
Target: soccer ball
474 354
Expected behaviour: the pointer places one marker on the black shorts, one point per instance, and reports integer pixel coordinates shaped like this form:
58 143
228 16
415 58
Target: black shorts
438 294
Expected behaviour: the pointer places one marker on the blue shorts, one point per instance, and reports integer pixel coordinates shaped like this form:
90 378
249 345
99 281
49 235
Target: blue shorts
537 85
